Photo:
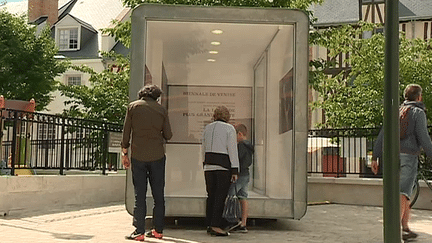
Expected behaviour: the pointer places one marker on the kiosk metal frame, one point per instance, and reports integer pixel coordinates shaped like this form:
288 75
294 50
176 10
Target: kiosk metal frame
265 203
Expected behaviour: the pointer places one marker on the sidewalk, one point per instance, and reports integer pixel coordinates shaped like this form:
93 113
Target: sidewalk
322 223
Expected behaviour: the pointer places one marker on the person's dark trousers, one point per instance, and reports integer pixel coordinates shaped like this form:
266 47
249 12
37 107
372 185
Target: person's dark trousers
154 172
217 186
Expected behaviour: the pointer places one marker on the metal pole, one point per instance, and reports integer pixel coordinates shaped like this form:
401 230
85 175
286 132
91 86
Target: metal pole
391 202
104 149
62 148
1 139
14 142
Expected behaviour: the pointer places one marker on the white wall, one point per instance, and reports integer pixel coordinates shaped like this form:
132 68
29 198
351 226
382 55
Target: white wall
359 191
57 105
37 193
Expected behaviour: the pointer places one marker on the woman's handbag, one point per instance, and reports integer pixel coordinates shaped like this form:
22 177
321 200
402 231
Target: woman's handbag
232 210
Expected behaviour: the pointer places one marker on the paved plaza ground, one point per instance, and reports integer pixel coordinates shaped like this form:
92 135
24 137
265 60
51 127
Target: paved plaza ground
322 223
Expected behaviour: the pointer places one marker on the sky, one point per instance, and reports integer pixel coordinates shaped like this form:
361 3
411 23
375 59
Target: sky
10 1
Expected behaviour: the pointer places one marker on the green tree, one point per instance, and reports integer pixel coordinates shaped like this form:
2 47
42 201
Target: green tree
354 98
107 96
27 64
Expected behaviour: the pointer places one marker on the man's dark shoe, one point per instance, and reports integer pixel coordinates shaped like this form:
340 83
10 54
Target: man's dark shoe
136 236
212 232
408 235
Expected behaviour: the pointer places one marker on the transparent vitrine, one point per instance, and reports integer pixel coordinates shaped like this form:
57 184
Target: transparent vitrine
253 61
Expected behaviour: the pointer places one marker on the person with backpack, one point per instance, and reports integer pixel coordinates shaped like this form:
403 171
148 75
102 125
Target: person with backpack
414 136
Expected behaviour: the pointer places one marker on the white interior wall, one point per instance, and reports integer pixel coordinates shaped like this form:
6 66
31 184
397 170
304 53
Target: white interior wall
155 57
228 74
184 174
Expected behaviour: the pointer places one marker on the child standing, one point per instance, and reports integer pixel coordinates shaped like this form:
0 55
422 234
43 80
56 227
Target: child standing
245 152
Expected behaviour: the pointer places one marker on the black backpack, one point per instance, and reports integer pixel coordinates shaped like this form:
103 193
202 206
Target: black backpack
404 119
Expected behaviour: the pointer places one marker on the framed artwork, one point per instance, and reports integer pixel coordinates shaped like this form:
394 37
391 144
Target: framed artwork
286 95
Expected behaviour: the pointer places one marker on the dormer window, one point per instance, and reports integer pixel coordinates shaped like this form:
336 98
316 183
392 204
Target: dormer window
68 38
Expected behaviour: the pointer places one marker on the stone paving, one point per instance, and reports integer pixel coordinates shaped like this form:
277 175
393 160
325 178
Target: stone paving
322 223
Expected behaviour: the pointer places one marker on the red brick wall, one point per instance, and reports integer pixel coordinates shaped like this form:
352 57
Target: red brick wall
34 9
51 7
39 8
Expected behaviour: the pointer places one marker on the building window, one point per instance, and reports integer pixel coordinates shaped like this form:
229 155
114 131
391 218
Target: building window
74 80
68 39
46 136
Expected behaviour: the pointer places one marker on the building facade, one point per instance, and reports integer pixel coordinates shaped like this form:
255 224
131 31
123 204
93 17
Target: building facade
76 27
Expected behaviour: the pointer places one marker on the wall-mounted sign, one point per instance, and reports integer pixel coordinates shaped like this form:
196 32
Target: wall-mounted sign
190 108
114 142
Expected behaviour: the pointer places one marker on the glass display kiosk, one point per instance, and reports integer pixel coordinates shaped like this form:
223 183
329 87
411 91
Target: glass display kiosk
253 61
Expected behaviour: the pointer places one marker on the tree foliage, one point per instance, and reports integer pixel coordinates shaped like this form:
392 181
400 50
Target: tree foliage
299 4
27 64
354 98
107 96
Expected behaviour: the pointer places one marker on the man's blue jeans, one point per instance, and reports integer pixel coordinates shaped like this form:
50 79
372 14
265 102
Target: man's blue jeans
154 172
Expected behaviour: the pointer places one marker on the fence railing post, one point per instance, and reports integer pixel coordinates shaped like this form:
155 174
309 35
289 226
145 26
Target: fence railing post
14 142
338 138
62 145
104 149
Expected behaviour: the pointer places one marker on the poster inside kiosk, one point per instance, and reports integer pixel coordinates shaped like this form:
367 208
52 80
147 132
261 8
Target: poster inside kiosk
191 108
254 61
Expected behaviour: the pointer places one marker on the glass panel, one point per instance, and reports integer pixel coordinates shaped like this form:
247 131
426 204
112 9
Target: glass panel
63 39
280 103
201 66
68 39
260 124
74 80
73 39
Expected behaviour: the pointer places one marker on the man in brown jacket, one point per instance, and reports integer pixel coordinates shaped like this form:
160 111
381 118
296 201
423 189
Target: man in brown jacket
147 121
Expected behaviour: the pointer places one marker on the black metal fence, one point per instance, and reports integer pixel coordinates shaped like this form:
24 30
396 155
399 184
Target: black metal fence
341 152
31 141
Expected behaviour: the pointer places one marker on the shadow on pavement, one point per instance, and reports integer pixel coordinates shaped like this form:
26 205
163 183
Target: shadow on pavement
61 236
26 213
194 223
